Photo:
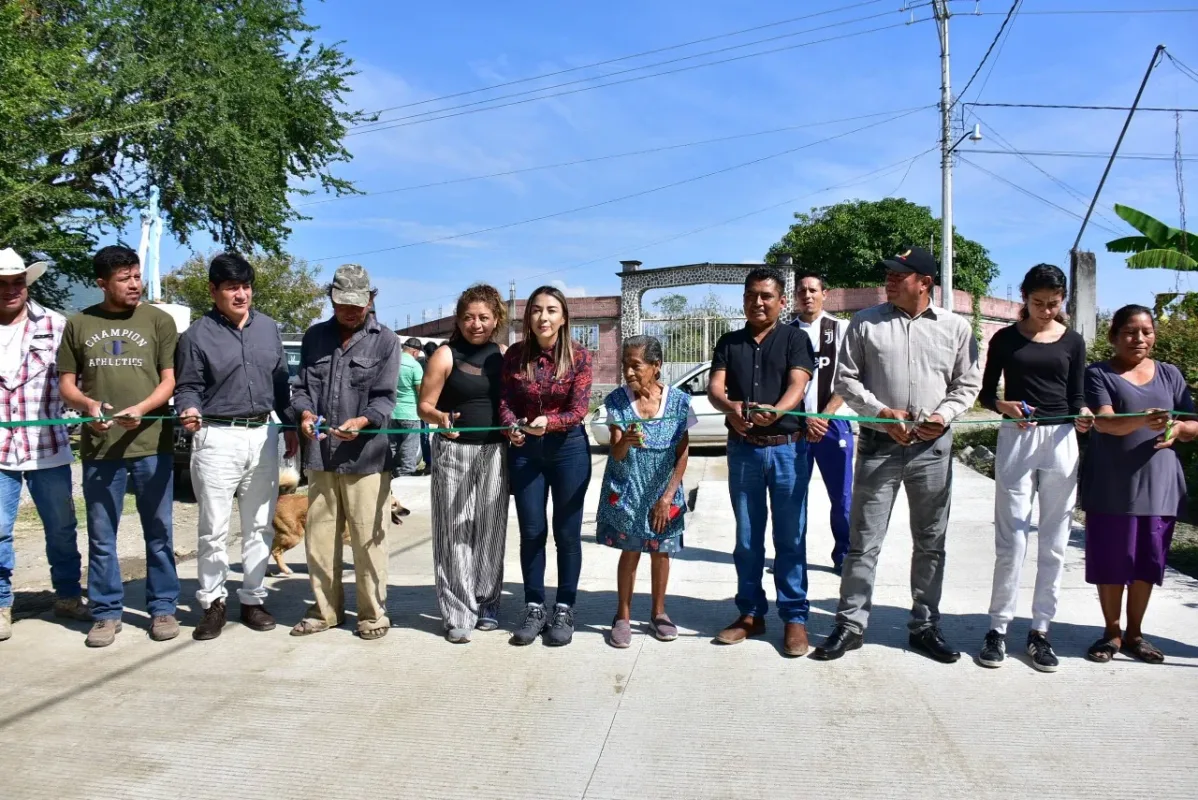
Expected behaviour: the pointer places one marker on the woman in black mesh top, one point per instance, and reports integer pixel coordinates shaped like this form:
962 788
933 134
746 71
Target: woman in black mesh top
470 477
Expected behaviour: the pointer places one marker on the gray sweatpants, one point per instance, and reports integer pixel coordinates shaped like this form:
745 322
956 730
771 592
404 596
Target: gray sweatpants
925 471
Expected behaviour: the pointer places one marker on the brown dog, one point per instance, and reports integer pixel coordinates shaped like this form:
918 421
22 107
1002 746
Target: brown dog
291 519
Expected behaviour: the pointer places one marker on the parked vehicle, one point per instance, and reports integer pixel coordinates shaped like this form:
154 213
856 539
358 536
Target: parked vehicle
710 430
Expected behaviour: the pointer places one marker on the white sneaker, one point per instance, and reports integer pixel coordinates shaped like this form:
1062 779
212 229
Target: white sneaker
5 623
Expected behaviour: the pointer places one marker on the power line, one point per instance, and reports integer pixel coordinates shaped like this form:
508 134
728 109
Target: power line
1076 193
663 148
424 116
1079 107
630 69
998 55
1032 194
880 172
1071 12
986 56
1089 154
626 58
609 201
1182 68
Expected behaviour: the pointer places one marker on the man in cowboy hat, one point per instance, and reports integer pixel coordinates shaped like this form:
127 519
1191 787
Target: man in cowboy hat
38 455
349 370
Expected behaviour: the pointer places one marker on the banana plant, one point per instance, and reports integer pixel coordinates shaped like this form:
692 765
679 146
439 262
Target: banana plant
1161 246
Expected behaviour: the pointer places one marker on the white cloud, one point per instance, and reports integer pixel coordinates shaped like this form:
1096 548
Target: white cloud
569 291
407 231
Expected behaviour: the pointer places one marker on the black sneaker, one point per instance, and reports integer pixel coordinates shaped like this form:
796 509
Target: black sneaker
994 650
1041 653
530 626
561 630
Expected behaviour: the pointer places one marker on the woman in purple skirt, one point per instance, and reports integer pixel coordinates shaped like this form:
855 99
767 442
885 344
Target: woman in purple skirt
1133 489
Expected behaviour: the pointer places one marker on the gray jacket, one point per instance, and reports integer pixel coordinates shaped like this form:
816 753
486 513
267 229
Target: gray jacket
925 363
340 383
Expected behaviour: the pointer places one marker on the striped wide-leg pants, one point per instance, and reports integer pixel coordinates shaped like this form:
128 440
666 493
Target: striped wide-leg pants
470 512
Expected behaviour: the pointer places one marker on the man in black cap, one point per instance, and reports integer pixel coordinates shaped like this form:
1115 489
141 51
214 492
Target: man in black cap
911 362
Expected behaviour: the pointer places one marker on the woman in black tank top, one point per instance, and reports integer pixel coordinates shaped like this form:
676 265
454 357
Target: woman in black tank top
469 475
471 390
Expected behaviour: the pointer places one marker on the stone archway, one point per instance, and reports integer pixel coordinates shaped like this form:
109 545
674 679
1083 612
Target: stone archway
634 282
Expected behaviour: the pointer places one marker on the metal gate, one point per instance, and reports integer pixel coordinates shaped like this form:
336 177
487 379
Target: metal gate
688 341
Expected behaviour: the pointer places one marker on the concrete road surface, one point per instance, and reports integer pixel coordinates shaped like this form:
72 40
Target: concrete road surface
411 716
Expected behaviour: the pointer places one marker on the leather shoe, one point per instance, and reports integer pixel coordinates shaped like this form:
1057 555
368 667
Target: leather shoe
257 618
932 644
745 626
840 641
211 623
794 641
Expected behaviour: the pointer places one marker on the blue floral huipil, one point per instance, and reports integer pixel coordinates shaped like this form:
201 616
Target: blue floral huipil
633 486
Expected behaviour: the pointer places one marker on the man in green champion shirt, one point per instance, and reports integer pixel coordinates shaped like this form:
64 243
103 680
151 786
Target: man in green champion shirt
405 422
120 354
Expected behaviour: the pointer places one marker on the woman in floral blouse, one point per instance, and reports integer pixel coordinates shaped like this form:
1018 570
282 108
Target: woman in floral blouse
545 395
642 504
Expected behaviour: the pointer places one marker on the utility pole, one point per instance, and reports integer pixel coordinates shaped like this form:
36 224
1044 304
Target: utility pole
941 13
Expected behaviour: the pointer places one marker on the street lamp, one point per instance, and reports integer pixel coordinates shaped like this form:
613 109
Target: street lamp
946 216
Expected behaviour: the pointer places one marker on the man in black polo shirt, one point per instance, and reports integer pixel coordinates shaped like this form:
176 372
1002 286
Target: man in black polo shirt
766 365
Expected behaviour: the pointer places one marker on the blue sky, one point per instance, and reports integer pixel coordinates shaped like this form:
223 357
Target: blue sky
411 52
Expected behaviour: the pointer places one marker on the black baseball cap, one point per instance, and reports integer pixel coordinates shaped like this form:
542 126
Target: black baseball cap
413 343
913 259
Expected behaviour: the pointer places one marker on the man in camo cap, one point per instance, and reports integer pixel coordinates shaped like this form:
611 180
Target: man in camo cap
349 368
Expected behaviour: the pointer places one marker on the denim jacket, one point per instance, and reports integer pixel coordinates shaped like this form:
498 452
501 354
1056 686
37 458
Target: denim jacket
339 383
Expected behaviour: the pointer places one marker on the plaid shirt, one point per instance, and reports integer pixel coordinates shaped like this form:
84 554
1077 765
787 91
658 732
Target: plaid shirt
32 394
564 402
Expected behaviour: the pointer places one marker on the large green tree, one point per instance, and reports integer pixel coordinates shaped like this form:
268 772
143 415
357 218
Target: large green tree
228 106
845 241
285 289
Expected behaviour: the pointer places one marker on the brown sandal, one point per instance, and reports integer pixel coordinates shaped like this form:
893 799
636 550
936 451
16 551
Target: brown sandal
1102 650
1143 650
308 626
370 634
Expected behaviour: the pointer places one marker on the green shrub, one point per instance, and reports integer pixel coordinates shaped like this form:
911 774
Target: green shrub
975 436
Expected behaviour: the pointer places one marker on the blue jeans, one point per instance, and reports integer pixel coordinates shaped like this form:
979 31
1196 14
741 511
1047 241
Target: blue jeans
104 493
834 455
559 463
778 472
51 493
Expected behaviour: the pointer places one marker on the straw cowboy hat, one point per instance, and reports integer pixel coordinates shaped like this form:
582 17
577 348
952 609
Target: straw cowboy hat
13 264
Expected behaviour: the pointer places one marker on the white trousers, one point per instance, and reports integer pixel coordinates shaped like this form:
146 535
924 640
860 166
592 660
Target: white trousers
228 462
1038 463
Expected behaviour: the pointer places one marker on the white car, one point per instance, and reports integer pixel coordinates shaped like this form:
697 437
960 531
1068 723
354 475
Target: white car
708 431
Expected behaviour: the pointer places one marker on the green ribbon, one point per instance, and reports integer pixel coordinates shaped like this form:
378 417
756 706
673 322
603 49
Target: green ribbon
42 423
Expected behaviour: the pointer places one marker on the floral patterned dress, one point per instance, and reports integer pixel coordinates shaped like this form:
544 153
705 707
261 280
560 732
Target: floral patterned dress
633 486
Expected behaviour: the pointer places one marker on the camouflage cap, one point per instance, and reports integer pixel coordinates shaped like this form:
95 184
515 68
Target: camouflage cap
351 286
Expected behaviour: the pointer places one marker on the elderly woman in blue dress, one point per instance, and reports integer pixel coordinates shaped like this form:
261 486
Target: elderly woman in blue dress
642 504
